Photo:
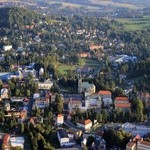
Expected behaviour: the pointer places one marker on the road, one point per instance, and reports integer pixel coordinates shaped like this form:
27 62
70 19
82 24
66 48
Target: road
30 104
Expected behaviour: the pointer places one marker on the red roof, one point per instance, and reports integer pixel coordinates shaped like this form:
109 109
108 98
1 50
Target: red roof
59 115
5 139
121 99
85 122
145 143
128 105
26 99
131 144
137 138
104 92
32 120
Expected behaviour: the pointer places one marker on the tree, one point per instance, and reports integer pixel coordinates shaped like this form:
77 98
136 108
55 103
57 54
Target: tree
1 84
22 128
28 93
90 140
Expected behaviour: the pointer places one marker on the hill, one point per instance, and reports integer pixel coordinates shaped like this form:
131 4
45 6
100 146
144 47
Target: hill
14 15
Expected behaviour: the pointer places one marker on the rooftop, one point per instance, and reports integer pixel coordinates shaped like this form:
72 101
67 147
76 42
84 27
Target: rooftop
121 99
104 92
63 133
85 122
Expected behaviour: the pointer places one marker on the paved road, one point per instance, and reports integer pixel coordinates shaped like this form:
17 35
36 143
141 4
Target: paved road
30 104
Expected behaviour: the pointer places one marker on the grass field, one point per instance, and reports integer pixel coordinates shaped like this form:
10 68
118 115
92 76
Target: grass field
135 24
63 68
87 62
106 3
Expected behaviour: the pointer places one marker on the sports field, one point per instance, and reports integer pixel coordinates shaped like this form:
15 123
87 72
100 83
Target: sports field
63 68
89 63
132 24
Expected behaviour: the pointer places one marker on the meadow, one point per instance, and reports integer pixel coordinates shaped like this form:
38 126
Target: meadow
132 24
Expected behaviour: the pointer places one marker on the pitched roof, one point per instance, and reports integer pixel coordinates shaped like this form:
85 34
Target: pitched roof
5 139
145 143
84 122
104 92
31 120
137 137
128 105
121 99
131 144
100 133
59 115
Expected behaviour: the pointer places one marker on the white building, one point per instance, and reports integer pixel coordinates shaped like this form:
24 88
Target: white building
7 48
45 85
84 124
63 137
59 119
27 72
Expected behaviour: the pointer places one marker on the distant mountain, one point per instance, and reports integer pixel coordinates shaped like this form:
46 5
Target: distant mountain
14 15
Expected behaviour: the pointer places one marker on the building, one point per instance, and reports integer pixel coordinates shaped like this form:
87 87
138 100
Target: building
26 72
93 101
84 124
104 94
95 47
74 103
63 137
4 93
85 86
41 102
84 54
124 107
45 85
7 48
121 100
12 141
123 103
105 97
134 130
59 119
137 143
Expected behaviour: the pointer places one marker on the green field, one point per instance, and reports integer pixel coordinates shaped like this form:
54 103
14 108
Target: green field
63 68
89 63
135 24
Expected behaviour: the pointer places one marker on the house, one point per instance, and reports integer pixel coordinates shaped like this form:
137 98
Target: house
4 93
93 47
74 103
83 54
138 143
25 101
42 102
84 124
6 138
59 119
7 47
63 137
99 135
84 86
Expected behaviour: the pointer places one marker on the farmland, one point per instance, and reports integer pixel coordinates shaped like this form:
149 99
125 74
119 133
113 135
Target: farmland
135 24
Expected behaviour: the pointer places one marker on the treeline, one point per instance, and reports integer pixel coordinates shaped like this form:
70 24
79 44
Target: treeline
19 16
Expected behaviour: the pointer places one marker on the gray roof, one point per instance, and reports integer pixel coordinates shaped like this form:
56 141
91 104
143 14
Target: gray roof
63 133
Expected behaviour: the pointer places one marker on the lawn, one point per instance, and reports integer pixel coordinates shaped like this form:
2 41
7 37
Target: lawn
63 68
135 24
89 63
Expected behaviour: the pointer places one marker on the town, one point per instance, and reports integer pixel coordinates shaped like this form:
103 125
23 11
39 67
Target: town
74 82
